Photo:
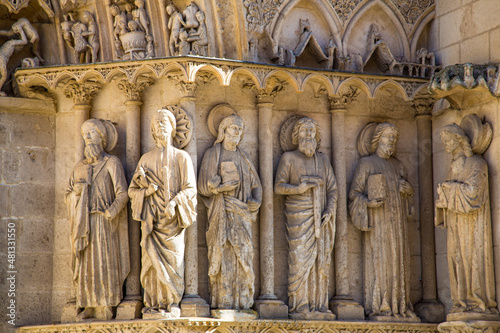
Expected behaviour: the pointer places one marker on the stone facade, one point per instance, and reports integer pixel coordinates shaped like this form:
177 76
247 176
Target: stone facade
344 64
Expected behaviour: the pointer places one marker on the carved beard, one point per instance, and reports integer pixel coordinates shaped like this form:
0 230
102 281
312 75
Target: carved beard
307 146
232 141
93 152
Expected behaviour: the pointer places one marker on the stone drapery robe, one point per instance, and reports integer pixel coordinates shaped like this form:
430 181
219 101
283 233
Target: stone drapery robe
100 258
229 233
386 251
470 244
309 257
163 240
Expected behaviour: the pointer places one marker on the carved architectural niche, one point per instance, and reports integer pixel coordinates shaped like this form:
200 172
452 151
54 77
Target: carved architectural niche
96 200
82 37
14 6
463 207
188 30
132 31
305 176
380 200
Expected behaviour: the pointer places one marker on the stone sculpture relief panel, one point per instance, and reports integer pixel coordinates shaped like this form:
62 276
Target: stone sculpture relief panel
463 208
163 199
188 31
232 193
305 176
380 200
96 200
82 37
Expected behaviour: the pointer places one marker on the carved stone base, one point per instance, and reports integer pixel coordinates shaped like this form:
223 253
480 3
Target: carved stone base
69 312
472 316
194 307
392 319
175 313
203 325
235 315
129 309
313 316
430 311
346 309
471 326
271 309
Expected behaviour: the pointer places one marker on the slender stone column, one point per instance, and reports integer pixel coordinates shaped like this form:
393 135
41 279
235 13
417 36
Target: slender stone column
342 304
192 305
267 305
130 307
429 309
82 94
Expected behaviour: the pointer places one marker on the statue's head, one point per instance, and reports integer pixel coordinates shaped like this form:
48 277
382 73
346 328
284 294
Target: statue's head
200 16
231 130
87 17
171 9
95 136
139 3
455 139
385 139
114 9
307 135
163 128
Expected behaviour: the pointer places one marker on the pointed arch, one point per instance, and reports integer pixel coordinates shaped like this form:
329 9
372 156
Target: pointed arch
354 81
323 7
418 29
325 81
292 80
193 69
249 73
393 17
391 83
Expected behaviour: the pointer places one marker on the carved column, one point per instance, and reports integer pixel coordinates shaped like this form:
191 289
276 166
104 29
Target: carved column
342 304
130 307
82 94
267 305
430 309
192 305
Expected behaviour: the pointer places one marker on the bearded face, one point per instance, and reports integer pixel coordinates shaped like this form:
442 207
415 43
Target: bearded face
307 139
93 144
387 143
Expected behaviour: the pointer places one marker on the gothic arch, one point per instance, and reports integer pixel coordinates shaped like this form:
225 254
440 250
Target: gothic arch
417 31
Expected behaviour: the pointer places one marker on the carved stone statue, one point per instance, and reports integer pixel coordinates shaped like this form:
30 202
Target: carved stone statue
463 207
188 31
96 198
380 201
163 197
6 51
233 194
29 31
306 177
82 37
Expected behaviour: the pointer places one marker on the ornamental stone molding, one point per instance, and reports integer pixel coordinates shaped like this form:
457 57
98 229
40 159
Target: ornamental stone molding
15 6
249 326
190 69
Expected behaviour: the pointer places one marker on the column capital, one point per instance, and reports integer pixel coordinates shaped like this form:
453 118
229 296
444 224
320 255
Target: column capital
82 93
133 90
187 88
267 94
423 105
340 101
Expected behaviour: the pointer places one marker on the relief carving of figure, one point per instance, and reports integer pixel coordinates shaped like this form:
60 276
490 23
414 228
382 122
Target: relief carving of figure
82 37
232 192
163 198
380 200
463 207
6 51
188 31
305 176
96 198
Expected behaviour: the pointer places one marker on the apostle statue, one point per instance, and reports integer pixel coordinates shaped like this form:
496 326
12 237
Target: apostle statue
380 200
306 178
163 198
233 194
463 207
96 198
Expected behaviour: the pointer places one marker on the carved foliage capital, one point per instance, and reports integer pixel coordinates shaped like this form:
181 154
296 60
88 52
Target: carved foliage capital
423 106
188 89
267 95
340 101
81 92
133 91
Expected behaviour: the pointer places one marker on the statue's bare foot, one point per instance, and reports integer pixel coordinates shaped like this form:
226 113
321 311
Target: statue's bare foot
85 314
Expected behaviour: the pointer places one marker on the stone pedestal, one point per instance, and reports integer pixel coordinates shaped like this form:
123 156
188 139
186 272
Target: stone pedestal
194 307
175 313
69 312
313 316
478 326
234 315
129 309
472 316
430 311
347 309
271 309
392 319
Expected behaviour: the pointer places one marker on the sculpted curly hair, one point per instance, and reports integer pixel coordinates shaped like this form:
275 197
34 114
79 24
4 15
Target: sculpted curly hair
301 122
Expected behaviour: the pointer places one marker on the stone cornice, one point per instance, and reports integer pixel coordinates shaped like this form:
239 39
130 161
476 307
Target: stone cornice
250 326
192 67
